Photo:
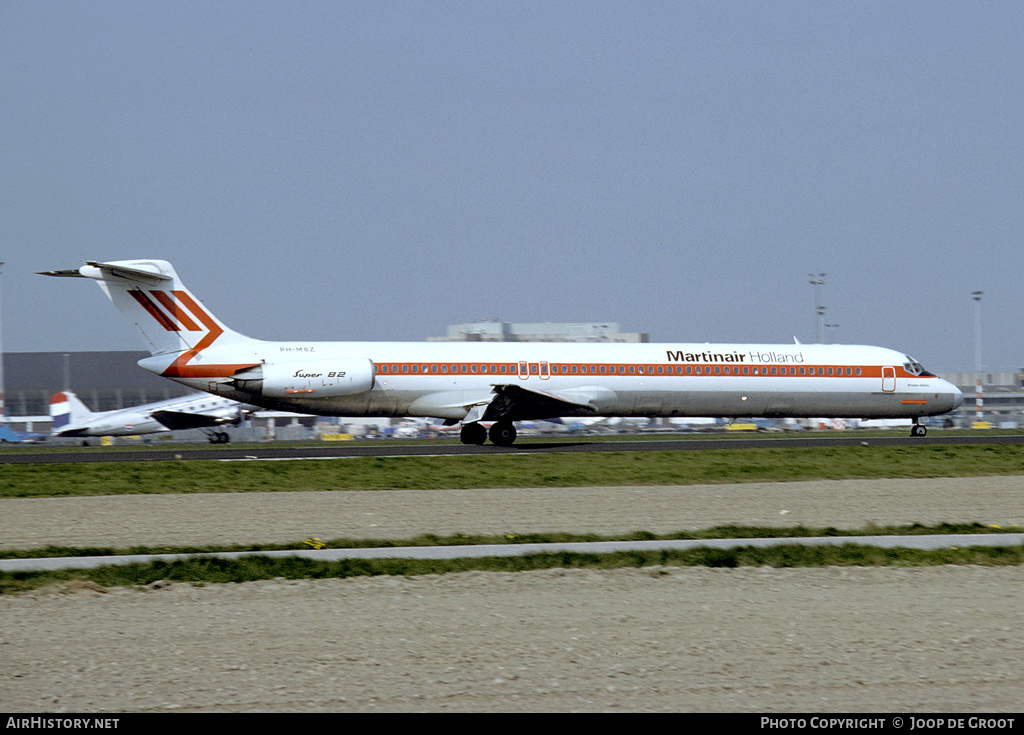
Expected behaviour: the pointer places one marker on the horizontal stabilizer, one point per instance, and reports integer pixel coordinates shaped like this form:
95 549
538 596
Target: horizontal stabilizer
149 271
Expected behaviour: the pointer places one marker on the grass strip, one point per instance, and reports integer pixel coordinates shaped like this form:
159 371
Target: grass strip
717 532
208 570
513 470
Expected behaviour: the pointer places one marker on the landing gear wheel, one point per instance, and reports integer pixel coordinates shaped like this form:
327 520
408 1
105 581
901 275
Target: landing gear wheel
473 433
918 430
503 433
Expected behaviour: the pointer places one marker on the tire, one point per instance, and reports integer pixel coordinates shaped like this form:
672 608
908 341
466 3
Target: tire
503 433
473 433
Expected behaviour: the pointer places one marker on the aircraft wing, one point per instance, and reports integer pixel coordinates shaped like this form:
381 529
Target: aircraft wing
518 403
178 420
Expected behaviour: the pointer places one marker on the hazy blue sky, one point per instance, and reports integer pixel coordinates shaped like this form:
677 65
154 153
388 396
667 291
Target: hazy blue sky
381 169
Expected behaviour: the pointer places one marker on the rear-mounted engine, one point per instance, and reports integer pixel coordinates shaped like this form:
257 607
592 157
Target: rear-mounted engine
313 378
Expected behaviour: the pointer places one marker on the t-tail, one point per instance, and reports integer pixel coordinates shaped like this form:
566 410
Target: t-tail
175 327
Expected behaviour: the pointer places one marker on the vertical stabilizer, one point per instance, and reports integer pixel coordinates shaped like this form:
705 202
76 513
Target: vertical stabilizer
152 297
173 324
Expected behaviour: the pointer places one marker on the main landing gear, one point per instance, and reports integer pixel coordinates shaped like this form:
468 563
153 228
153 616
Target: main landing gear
502 433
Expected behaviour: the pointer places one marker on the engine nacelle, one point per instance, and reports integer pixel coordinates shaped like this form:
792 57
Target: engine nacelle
322 378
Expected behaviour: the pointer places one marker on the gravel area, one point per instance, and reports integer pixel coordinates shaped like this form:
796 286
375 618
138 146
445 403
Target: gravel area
765 640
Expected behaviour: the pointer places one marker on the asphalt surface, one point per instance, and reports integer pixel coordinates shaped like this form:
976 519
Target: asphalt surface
386 448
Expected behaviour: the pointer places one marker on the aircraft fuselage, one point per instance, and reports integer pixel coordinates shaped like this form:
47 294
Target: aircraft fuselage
441 379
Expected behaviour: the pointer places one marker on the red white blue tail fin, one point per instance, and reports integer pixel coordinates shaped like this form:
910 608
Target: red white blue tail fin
67 411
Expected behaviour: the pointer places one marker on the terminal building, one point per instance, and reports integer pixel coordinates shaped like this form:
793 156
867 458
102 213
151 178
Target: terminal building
1001 398
108 381
105 381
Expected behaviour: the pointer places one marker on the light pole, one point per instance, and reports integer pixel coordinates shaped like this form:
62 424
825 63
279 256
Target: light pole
817 282
979 401
3 405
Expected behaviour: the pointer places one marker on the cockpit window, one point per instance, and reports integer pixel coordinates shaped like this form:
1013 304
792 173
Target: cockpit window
913 367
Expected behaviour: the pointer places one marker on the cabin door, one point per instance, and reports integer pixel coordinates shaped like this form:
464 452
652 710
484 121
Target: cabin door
888 379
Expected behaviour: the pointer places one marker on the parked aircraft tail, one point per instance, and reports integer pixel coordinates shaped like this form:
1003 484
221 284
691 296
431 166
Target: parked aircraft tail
67 410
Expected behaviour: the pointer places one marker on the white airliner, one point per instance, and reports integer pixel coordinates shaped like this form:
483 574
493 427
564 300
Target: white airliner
71 417
503 382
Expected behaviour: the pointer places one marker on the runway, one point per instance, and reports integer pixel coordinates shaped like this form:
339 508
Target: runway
389 448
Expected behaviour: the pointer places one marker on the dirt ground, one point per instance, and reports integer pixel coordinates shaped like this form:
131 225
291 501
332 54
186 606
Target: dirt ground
707 640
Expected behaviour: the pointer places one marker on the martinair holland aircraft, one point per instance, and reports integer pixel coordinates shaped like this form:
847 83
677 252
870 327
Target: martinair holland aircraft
474 383
71 417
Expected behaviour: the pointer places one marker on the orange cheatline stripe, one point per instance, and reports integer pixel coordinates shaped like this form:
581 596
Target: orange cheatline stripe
392 367
178 369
